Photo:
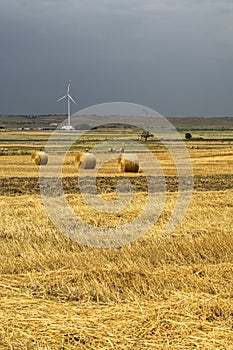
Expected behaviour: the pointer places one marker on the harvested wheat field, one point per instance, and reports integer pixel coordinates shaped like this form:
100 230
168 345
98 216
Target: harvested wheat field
161 291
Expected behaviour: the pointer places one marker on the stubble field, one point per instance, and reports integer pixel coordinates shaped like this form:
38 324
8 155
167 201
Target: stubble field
159 292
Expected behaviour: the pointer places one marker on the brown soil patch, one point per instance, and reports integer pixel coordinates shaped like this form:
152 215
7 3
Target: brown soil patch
20 186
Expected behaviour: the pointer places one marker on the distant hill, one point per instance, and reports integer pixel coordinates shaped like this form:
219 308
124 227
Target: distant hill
202 123
30 121
50 121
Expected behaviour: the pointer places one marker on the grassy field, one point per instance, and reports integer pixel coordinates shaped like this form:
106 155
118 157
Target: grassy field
158 292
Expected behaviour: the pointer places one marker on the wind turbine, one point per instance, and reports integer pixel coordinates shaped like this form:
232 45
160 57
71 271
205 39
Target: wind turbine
69 98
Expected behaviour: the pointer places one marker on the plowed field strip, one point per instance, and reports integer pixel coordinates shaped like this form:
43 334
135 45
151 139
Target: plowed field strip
21 186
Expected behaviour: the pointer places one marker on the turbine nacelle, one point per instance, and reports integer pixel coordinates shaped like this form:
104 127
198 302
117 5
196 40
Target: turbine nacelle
67 94
69 97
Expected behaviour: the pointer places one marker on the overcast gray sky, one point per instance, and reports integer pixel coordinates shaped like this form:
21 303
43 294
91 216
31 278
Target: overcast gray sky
175 56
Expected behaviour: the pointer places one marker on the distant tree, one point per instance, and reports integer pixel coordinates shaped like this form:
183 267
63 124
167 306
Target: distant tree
145 135
188 136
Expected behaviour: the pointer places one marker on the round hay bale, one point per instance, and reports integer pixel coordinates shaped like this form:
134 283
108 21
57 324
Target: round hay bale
128 163
39 158
85 160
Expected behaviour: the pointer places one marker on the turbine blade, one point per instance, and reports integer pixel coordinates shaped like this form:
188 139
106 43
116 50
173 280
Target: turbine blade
72 99
62 98
68 87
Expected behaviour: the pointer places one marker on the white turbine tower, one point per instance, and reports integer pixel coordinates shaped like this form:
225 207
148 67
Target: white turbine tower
69 98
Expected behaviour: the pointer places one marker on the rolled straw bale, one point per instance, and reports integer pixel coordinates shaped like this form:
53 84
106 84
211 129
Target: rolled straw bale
39 158
85 160
128 163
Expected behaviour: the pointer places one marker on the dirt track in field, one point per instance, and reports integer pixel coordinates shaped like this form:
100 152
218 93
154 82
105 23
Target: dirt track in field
21 186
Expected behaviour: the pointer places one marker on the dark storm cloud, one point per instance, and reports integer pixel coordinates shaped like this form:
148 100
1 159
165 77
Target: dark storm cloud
173 56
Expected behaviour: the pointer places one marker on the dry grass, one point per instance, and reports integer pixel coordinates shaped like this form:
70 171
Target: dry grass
182 322
204 161
159 292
